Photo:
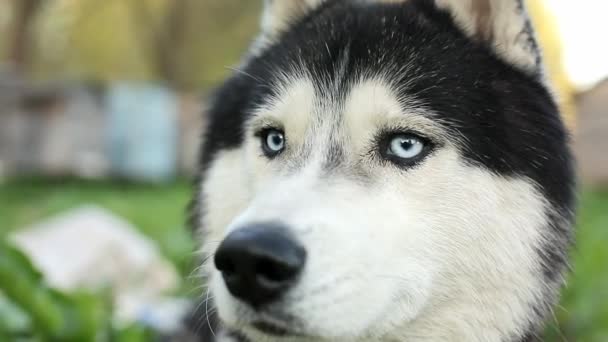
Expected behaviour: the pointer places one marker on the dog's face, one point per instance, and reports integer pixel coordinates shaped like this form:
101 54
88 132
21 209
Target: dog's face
377 172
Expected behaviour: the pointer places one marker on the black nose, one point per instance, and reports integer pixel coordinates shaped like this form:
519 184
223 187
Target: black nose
259 262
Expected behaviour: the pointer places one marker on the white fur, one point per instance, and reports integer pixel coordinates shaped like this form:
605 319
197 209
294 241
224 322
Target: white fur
444 251
292 110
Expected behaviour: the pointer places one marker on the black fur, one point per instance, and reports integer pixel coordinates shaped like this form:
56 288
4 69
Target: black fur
509 118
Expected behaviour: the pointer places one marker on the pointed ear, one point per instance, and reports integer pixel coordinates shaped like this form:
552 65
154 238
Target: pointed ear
503 24
279 14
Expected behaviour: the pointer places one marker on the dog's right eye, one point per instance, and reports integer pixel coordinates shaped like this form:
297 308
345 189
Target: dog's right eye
273 142
404 149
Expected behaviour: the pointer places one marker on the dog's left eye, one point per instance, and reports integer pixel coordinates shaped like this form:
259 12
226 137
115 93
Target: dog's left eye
273 142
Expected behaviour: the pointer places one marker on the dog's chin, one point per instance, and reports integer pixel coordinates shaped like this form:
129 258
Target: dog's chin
275 328
276 325
263 330
267 326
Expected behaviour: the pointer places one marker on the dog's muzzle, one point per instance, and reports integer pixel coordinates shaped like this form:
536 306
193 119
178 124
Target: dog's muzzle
260 262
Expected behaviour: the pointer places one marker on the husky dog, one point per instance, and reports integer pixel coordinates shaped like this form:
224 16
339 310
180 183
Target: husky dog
383 170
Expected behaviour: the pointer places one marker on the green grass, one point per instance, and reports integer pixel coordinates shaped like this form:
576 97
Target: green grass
159 211
583 314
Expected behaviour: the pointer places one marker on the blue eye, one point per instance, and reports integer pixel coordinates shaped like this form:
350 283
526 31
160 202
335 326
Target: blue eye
405 146
273 142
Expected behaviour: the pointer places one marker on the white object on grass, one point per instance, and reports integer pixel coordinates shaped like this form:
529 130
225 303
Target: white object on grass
91 248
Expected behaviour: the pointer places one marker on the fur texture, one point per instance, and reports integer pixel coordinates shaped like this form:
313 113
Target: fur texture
469 243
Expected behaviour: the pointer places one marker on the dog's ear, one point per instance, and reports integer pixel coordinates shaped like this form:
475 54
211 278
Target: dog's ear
277 17
279 14
503 24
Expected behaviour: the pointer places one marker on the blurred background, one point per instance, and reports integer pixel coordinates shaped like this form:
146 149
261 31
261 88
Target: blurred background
100 116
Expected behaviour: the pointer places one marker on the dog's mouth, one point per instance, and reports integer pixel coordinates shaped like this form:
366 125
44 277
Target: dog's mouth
276 328
273 329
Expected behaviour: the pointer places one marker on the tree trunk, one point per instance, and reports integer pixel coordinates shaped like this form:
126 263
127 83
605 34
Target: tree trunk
22 36
162 39
169 43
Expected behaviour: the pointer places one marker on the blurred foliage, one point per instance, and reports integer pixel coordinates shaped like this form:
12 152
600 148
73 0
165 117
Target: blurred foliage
49 315
188 43
583 314
34 312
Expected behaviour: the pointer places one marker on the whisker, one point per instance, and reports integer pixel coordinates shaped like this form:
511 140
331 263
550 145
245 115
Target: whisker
245 74
207 312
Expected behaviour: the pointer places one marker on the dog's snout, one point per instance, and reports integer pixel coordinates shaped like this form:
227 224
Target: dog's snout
259 262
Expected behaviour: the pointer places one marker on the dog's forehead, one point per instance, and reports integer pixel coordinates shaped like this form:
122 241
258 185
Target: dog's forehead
357 109
303 96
